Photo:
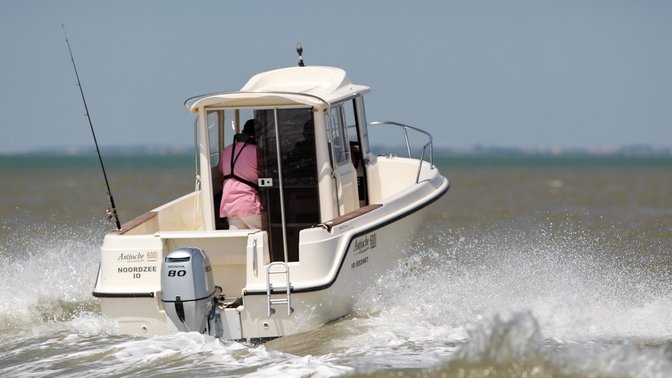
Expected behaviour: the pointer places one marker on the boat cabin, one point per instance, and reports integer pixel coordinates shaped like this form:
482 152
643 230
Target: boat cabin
312 149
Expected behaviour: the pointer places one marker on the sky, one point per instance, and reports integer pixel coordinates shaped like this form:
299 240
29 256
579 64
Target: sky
532 73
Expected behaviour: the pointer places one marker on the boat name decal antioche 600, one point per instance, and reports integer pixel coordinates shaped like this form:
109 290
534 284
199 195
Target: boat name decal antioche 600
364 243
360 245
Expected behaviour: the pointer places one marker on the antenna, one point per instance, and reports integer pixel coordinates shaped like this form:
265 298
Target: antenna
112 212
299 50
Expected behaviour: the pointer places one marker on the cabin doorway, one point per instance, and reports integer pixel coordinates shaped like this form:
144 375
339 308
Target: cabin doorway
288 185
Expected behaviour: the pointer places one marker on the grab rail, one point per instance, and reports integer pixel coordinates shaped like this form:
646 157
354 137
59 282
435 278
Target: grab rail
427 145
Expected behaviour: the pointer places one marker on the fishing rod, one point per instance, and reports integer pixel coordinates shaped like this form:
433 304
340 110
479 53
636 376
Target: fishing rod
112 212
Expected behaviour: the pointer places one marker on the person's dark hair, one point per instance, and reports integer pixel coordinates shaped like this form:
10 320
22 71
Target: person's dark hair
248 129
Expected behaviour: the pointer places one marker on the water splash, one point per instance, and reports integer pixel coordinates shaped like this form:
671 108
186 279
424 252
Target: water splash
181 354
546 301
48 274
573 284
514 346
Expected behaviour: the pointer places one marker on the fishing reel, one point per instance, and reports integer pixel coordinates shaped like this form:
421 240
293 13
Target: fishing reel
111 215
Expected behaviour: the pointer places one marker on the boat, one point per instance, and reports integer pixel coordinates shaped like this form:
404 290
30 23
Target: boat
337 216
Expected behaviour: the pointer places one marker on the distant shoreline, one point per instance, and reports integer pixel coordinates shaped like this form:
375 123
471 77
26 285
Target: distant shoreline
476 151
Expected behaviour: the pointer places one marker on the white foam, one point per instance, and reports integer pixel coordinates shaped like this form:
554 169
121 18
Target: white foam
48 277
509 297
516 341
172 354
561 279
525 288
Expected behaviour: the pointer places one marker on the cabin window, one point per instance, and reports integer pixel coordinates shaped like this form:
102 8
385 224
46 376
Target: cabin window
338 137
215 122
220 134
350 121
360 115
352 134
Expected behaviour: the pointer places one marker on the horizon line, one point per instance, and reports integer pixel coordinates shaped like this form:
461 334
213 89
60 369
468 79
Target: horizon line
478 149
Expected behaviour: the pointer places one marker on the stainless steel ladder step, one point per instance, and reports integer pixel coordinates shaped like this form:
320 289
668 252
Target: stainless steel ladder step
279 268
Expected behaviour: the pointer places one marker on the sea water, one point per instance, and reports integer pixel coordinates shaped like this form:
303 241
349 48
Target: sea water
528 267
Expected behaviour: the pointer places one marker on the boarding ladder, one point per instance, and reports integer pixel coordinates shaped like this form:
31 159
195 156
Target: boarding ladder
279 268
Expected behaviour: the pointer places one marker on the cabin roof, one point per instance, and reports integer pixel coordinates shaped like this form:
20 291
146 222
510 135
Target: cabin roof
314 85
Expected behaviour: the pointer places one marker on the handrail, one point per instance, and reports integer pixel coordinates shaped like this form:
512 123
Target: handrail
408 144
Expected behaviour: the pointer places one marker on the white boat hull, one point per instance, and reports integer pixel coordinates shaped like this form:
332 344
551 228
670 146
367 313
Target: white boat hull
335 265
336 216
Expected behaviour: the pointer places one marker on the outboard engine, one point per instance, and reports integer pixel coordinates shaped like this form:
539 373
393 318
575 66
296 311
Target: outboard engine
187 288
